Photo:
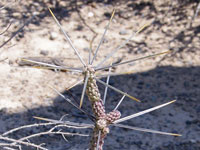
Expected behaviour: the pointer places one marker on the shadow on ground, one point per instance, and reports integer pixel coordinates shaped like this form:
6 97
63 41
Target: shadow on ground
153 87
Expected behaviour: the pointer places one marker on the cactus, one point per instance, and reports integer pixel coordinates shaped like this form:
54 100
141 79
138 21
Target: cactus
102 119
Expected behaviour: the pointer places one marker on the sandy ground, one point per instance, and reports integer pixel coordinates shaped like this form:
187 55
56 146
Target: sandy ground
25 92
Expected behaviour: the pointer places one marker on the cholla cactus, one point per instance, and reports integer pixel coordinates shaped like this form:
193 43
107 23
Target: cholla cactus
102 120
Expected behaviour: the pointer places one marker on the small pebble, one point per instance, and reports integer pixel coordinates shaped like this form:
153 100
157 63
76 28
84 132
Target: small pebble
193 141
53 35
79 28
35 13
44 52
123 32
16 14
90 14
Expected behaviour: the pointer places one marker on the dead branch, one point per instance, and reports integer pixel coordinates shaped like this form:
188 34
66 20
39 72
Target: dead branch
6 28
26 126
21 142
15 33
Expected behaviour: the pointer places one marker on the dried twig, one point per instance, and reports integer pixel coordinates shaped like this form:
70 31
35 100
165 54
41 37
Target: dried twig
49 133
6 28
21 142
15 33
25 127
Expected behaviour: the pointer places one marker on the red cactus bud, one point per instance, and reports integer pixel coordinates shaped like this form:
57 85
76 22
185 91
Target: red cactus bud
112 116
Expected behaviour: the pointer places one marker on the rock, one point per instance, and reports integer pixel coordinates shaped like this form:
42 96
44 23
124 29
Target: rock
35 13
90 14
79 28
123 32
193 141
53 35
44 52
16 14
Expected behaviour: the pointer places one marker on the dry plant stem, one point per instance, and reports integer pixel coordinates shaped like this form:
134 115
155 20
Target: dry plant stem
6 29
68 123
15 33
22 142
49 133
31 62
27 126
8 148
10 3
103 120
